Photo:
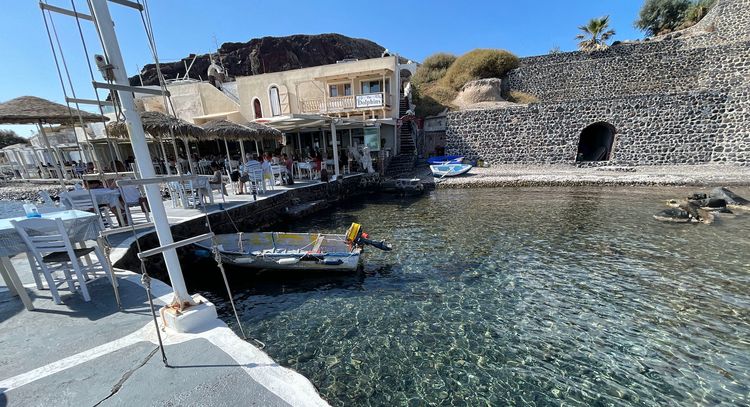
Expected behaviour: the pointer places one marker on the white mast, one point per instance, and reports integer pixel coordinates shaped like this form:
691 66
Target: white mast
103 20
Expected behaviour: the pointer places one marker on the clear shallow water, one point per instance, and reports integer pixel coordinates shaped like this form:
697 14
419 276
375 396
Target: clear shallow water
12 209
524 296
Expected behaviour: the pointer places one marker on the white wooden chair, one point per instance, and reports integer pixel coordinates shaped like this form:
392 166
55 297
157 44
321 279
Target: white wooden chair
51 250
46 198
82 201
132 196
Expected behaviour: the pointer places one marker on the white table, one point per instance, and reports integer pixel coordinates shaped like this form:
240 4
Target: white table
307 166
81 226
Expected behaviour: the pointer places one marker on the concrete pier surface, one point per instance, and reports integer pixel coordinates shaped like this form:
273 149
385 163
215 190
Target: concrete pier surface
510 175
90 353
86 354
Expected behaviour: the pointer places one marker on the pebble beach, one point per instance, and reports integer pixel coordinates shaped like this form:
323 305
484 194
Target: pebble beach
518 175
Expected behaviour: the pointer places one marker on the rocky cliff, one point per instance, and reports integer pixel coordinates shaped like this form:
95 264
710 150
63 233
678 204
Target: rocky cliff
269 54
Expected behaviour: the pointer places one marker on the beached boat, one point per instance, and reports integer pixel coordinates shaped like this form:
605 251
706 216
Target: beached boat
294 251
449 170
445 159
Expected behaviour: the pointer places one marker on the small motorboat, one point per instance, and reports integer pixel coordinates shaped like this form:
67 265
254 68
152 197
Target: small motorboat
293 251
449 170
445 159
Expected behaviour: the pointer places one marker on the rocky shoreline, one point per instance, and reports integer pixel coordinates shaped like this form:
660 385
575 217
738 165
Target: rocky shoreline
517 175
22 191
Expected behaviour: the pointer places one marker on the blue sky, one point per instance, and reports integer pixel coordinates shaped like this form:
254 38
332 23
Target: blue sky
412 29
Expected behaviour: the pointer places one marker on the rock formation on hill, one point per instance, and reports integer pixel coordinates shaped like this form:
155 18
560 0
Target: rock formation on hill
269 54
481 94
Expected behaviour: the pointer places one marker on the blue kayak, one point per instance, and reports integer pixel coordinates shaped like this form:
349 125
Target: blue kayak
445 159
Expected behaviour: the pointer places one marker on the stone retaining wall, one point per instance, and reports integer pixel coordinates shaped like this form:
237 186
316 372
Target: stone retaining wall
686 128
681 99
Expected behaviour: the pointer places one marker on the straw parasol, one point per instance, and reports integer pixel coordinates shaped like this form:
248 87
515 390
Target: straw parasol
265 131
159 125
225 129
162 126
35 110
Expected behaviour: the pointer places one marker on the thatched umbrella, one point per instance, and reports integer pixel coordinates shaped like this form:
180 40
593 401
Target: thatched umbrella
162 126
229 130
264 132
34 110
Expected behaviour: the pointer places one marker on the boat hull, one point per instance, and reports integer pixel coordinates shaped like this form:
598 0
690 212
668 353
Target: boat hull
445 159
286 251
449 170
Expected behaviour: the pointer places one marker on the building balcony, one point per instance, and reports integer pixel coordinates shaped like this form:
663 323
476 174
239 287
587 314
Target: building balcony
346 104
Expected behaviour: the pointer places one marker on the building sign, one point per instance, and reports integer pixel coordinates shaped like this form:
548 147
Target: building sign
369 100
372 138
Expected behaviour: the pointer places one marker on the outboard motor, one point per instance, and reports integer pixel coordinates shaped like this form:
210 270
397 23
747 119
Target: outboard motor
355 236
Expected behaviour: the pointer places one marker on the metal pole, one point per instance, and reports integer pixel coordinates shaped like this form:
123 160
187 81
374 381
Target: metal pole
100 12
335 149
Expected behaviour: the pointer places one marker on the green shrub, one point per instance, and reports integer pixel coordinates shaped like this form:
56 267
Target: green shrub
431 99
9 137
433 68
696 12
478 64
660 16
664 16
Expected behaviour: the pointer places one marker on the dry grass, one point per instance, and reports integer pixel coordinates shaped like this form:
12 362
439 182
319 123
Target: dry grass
478 64
441 76
521 97
433 68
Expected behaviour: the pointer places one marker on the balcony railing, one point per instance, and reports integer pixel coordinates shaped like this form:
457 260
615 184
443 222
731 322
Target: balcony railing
345 103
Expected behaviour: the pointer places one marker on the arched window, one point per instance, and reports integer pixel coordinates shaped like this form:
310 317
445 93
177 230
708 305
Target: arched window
257 109
273 94
595 142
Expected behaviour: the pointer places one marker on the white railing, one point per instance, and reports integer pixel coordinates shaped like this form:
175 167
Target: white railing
311 105
341 103
344 103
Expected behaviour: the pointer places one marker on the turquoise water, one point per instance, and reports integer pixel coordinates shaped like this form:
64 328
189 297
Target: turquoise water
517 296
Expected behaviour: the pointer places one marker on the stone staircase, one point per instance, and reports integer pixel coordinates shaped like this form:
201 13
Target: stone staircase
403 163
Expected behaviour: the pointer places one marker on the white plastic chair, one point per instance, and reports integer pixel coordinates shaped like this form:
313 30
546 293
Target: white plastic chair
51 250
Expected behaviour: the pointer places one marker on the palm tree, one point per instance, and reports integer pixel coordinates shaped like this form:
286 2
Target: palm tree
595 34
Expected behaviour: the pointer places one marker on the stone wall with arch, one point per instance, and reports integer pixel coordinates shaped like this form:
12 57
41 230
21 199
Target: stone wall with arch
685 128
681 99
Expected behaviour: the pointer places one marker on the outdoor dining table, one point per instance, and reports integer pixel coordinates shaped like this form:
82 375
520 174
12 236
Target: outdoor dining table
103 196
81 226
307 166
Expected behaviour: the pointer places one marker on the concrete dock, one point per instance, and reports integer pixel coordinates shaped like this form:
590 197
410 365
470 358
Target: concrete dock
92 354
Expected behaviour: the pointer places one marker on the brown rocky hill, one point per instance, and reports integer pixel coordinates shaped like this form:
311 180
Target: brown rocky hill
269 54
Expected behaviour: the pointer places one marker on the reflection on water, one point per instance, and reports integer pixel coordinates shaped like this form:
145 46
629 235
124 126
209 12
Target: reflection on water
523 296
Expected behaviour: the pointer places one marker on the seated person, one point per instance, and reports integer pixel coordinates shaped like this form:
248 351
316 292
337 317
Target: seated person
216 179
289 164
